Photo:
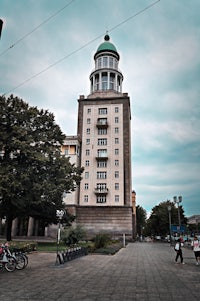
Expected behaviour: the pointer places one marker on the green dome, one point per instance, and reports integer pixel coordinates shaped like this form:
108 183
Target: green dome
107 46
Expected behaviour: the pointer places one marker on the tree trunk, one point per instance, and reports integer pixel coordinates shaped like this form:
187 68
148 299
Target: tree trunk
9 220
0 226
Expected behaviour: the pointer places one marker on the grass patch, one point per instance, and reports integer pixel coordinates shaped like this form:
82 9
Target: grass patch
50 247
110 248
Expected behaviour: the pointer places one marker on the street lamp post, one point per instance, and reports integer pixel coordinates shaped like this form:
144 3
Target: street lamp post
170 223
178 201
59 214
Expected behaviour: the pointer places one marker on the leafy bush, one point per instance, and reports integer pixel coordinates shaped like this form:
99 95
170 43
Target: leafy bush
23 245
72 235
101 240
110 249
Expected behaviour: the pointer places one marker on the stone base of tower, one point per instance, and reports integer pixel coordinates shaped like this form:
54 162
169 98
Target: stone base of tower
114 220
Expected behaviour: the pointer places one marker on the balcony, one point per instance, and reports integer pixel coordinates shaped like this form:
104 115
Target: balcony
100 190
102 156
102 123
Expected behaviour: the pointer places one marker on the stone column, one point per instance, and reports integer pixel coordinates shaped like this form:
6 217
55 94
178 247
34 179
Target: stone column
36 227
30 226
14 227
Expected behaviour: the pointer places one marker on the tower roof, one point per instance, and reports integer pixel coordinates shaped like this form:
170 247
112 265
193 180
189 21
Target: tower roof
107 46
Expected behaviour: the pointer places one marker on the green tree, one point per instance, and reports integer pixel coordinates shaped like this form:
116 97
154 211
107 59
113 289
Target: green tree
141 216
158 222
33 174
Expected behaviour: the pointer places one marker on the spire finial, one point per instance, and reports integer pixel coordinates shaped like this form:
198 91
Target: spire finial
106 38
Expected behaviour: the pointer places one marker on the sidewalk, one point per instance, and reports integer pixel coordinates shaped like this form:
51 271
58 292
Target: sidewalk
141 271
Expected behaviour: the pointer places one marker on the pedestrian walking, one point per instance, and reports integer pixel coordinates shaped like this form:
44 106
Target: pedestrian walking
178 249
196 248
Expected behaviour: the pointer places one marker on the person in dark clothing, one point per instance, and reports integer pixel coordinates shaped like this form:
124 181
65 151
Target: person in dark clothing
178 249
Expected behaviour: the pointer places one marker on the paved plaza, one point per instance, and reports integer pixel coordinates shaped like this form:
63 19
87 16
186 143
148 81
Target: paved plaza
141 271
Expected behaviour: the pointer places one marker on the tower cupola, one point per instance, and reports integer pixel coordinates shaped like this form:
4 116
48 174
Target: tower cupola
106 77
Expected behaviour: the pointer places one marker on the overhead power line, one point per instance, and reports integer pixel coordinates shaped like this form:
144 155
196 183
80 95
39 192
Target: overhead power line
135 15
77 50
36 28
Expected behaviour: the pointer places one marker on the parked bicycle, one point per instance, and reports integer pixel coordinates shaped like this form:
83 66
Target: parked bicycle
21 258
7 261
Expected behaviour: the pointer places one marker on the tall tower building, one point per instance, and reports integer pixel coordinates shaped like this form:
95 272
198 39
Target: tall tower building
105 196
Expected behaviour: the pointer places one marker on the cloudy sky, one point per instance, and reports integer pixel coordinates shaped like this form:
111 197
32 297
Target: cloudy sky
46 56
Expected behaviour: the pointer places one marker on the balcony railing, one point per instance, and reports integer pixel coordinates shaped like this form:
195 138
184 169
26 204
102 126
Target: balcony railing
102 124
102 156
98 190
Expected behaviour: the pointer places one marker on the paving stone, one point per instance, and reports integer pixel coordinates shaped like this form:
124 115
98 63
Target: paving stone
141 271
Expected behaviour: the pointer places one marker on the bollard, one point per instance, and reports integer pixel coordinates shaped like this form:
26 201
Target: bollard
124 240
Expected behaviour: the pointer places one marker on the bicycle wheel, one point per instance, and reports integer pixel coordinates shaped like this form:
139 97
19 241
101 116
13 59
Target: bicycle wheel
20 261
10 266
25 259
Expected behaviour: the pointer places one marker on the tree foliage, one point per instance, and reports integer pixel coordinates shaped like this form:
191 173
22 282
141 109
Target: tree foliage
33 174
159 220
141 216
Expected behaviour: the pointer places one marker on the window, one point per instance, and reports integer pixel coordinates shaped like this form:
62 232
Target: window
88 131
102 111
101 174
116 162
116 198
99 63
96 84
102 153
104 81
116 174
88 141
101 199
111 62
116 186
89 111
87 152
112 81
86 186
86 198
101 186
66 151
102 141
116 140
102 121
88 120
116 119
105 61
102 131
86 175
87 163
116 151
116 130
102 163
116 109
